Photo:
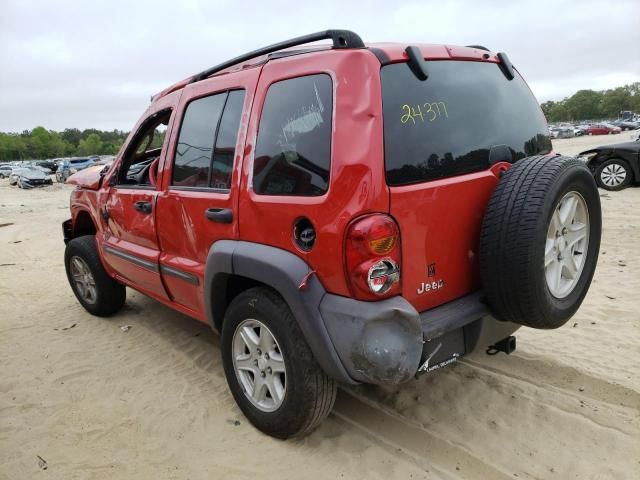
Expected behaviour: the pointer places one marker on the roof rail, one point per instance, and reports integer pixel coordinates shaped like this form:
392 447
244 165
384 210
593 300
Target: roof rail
479 47
341 39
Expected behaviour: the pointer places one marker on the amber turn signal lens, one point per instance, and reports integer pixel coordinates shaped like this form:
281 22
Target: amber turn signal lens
382 246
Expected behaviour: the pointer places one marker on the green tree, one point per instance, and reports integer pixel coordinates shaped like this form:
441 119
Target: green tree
72 136
559 112
92 145
584 105
41 143
614 101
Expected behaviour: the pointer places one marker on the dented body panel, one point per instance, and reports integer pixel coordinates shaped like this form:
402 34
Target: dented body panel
89 178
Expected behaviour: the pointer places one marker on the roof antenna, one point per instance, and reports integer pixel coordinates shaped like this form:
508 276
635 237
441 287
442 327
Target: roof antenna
416 63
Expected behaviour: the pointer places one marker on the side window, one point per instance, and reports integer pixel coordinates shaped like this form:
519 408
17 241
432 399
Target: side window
293 149
195 143
143 150
225 148
207 141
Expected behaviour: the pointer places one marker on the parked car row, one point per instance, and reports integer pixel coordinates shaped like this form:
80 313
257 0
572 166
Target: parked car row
568 130
627 124
69 166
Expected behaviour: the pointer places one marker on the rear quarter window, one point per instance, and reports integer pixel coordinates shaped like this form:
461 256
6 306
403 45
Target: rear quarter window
293 149
450 123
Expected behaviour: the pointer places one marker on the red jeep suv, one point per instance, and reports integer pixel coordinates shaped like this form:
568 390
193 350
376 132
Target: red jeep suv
340 213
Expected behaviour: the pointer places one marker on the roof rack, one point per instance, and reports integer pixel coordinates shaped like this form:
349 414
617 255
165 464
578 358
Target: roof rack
479 47
341 39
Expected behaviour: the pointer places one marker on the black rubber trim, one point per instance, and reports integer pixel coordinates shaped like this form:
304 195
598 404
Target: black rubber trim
380 55
199 189
124 186
452 315
141 262
67 231
181 274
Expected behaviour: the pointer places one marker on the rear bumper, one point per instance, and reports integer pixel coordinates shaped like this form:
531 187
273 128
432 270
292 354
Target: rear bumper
389 342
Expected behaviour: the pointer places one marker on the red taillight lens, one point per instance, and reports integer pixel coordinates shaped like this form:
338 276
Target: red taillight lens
372 257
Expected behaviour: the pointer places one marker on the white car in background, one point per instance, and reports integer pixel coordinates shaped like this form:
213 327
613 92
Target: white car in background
29 177
5 171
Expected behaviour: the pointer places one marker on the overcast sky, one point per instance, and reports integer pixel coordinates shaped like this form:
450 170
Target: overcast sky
95 64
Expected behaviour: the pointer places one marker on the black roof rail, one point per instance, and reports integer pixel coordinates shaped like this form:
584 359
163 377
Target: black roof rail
480 47
341 39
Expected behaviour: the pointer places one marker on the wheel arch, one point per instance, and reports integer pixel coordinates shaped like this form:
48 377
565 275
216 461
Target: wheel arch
234 266
83 224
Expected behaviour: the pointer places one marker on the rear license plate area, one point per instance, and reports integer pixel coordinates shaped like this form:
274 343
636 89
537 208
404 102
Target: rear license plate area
442 351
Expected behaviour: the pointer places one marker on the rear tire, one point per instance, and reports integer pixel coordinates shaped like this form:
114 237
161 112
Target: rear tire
96 291
306 394
529 229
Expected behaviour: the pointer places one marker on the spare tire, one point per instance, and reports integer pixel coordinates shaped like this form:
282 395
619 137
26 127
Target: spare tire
539 241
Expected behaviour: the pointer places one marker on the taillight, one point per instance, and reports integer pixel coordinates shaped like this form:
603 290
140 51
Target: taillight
372 257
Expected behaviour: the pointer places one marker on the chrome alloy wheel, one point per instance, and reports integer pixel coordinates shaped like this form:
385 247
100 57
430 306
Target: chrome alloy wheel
259 365
83 279
566 244
613 175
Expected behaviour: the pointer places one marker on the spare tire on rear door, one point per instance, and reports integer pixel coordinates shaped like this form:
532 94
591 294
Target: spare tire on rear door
539 241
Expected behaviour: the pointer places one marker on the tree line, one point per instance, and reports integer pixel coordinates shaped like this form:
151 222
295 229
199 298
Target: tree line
41 143
594 105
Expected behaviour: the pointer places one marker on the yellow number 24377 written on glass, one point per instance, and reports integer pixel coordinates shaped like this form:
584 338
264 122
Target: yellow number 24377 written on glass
431 112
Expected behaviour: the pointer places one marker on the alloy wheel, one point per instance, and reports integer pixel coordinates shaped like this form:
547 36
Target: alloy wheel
566 244
83 280
259 365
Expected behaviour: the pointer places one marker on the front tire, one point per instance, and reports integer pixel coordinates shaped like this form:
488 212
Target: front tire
613 175
270 369
96 291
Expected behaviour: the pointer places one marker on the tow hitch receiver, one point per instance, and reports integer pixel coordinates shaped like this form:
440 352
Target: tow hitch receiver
506 345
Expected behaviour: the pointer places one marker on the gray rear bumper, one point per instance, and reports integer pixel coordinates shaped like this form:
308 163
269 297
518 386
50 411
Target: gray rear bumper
387 342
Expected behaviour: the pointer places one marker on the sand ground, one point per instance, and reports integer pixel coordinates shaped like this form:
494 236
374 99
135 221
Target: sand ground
96 402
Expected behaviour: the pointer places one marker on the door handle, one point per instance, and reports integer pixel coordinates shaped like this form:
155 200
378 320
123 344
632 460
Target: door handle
220 215
142 206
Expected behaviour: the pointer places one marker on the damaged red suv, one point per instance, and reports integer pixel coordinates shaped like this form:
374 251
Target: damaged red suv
340 213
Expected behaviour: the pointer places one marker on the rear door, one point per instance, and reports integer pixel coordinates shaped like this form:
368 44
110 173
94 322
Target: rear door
442 136
200 178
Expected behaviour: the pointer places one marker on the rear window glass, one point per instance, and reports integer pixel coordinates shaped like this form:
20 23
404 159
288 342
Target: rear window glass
293 149
463 115
195 143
